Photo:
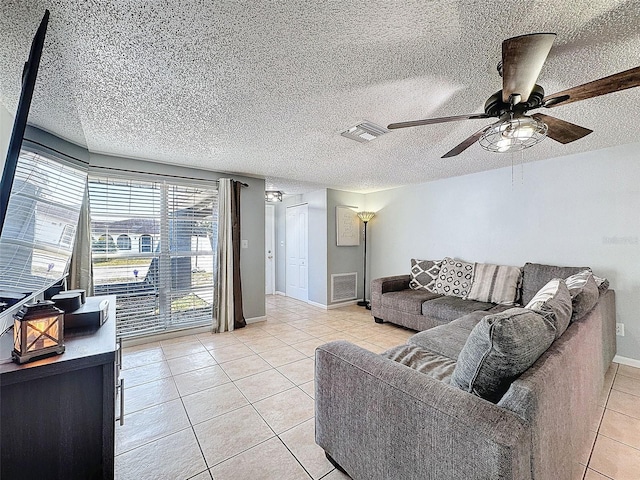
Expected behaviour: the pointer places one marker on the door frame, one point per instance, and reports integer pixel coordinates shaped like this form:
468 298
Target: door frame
270 218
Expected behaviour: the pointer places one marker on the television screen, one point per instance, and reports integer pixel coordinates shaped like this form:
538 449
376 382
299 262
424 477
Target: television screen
41 196
29 76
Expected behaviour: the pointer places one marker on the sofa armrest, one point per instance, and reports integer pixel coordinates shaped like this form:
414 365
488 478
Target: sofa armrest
390 284
379 419
384 285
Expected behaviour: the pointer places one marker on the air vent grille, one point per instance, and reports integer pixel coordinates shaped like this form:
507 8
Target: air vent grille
344 286
364 132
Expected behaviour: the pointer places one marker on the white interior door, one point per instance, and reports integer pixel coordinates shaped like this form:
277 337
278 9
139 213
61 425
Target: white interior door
269 249
297 247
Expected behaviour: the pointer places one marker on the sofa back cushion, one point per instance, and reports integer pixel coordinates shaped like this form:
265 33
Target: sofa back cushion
536 275
424 274
499 348
455 278
584 293
495 283
554 302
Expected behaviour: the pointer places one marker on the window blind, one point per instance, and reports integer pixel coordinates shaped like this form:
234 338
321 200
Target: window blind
152 243
41 221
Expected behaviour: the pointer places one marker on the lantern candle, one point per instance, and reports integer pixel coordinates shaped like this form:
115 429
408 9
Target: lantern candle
37 331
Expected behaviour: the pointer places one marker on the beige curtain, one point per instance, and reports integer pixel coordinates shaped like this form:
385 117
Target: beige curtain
81 265
223 312
228 312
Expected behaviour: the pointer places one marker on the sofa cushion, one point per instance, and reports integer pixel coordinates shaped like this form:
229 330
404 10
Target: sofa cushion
424 274
553 301
408 301
448 339
500 348
495 283
455 278
445 309
584 293
535 276
424 361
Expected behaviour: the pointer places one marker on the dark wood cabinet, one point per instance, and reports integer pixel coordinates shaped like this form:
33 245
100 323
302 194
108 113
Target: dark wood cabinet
58 414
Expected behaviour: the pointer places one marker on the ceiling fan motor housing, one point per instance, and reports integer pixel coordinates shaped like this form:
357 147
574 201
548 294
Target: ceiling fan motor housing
495 107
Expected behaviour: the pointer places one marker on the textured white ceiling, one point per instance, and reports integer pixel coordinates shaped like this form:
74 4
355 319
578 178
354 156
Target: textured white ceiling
263 88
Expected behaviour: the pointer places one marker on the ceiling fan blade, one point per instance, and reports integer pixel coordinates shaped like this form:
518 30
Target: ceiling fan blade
613 83
466 144
522 60
429 121
561 130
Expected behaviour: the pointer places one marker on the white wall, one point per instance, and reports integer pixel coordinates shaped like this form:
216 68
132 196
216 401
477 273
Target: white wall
579 210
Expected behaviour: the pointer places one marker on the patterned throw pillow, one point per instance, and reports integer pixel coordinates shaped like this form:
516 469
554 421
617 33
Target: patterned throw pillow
554 301
495 283
455 278
499 349
424 274
584 293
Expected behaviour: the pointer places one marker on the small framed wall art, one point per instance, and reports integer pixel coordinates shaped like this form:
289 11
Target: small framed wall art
347 227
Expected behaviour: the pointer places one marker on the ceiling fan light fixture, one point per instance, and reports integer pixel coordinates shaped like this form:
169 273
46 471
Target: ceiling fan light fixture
273 195
513 134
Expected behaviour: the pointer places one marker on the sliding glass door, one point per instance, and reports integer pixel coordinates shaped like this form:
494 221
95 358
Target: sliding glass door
153 247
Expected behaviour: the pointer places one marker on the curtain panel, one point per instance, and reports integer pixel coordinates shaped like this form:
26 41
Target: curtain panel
81 265
228 310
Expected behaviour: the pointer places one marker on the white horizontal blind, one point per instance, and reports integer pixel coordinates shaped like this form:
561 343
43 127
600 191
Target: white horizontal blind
41 221
152 247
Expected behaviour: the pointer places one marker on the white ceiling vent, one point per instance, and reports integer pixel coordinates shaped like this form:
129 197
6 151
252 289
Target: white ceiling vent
364 131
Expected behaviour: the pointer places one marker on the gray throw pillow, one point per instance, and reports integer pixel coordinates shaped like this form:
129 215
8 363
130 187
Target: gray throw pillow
499 349
584 293
554 300
424 274
536 275
455 278
495 283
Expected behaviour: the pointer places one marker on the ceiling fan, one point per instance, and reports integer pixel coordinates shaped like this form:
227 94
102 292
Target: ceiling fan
522 61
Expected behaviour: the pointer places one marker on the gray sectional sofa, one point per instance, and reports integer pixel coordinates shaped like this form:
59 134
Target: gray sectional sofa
392 300
398 415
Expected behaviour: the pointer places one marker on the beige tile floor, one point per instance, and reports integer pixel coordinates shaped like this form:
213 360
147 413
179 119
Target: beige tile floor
240 405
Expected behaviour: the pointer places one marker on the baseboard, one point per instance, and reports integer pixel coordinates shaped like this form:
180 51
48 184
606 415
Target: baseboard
255 319
130 342
316 304
632 362
342 304
333 305
281 293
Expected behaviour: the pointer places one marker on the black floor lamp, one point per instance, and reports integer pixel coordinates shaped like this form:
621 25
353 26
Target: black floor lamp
365 217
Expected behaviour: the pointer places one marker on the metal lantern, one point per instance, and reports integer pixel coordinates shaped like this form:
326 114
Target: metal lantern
37 331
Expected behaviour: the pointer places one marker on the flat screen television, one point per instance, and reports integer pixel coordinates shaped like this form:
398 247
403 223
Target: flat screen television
41 198
29 75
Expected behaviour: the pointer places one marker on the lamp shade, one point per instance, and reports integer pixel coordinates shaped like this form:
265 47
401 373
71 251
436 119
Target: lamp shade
366 216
